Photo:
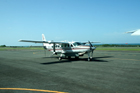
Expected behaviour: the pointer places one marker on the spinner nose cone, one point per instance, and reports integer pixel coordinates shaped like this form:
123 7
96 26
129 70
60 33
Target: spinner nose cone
93 48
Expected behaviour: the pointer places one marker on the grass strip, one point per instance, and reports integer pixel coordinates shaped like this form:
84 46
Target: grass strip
118 48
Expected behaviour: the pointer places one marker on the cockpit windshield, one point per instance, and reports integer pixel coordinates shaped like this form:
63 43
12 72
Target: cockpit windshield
77 44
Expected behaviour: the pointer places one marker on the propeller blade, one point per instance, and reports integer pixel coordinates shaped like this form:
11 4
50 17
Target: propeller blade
92 54
90 44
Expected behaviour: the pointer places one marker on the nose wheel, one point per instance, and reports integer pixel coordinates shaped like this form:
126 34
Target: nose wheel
90 56
88 59
60 58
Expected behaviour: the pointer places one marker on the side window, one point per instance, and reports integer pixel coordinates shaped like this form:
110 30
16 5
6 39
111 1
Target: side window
71 45
62 45
66 45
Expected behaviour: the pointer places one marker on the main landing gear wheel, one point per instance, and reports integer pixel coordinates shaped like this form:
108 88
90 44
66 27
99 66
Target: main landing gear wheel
76 57
69 57
60 58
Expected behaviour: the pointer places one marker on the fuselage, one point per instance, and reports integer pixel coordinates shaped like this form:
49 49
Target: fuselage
71 47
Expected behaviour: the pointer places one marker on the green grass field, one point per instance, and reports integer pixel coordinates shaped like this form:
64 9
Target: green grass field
20 48
118 48
97 49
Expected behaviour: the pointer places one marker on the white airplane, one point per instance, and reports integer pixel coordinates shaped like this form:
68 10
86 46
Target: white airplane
135 32
67 49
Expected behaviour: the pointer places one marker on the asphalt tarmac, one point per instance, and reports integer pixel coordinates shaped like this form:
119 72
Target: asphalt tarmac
31 71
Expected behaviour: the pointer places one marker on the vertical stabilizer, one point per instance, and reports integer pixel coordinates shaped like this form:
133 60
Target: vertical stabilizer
44 44
43 37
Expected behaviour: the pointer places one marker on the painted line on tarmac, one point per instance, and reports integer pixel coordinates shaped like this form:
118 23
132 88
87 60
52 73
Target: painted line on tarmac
27 89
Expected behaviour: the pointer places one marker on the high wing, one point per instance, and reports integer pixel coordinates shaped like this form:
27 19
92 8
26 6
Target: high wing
50 42
88 42
130 32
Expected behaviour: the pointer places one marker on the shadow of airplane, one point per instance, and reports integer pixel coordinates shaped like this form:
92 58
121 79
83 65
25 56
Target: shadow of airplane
66 60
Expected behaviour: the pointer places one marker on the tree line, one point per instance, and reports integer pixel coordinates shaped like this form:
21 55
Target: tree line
117 45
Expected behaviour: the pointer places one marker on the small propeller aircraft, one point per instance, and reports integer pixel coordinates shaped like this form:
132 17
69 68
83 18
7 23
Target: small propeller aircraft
67 49
135 32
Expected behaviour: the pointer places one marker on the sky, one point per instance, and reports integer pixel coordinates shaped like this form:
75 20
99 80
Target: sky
105 21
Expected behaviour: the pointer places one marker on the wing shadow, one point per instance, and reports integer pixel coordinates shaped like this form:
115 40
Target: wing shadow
55 62
95 59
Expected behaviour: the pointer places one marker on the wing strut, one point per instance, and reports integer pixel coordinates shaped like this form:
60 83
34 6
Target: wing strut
54 53
54 47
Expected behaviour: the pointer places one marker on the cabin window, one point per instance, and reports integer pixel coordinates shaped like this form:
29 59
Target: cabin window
62 45
65 45
77 44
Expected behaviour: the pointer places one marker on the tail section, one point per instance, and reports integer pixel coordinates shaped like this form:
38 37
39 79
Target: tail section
43 37
44 44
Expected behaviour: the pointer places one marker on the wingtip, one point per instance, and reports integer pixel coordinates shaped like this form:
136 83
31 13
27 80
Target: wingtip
19 40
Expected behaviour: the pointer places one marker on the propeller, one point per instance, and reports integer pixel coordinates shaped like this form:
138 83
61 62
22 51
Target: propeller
91 48
90 44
